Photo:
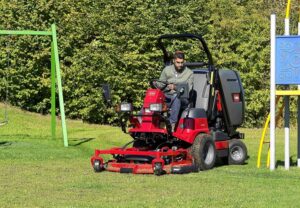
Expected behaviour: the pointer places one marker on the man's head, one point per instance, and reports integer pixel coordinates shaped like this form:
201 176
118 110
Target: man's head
178 60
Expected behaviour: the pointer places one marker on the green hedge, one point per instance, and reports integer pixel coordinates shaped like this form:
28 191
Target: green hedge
114 42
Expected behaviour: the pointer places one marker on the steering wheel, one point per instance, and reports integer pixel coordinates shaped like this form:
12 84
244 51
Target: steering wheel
154 84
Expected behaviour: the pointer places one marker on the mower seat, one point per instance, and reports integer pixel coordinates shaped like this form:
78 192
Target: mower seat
200 93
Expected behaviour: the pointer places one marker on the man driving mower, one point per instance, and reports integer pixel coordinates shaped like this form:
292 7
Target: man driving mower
176 74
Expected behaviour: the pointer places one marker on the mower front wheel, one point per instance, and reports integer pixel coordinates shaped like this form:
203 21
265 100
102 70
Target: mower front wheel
237 152
204 152
98 166
158 169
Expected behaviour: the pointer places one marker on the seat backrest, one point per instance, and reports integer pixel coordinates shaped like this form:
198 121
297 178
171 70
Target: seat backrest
200 94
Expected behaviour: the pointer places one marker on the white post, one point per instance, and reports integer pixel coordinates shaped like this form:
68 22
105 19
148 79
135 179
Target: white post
286 133
286 26
287 112
272 93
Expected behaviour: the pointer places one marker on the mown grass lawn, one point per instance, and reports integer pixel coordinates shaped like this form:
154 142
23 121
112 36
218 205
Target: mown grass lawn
36 171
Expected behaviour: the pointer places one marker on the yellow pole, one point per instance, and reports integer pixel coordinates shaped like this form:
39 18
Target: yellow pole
262 139
288 8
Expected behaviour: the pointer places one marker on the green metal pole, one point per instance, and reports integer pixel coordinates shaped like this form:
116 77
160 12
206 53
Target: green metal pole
55 69
53 91
59 85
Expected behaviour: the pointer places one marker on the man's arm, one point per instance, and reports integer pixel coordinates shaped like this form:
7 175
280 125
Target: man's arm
164 77
190 81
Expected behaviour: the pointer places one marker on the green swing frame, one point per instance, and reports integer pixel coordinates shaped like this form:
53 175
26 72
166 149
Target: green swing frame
55 77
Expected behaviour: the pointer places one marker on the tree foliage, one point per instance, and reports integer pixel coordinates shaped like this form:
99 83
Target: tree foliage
114 42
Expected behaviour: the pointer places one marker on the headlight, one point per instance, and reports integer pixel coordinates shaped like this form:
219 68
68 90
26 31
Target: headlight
126 107
156 107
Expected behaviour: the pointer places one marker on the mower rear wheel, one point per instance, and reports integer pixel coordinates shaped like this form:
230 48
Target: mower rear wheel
204 152
237 152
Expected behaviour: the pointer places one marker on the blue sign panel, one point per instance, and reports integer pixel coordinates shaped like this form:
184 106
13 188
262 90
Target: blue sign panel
287 60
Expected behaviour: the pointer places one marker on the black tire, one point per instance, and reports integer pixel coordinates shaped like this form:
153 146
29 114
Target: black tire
158 170
98 167
237 152
204 152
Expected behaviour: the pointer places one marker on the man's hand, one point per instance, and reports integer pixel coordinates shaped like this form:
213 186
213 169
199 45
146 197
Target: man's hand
171 86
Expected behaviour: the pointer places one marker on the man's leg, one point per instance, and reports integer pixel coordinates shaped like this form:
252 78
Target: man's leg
174 104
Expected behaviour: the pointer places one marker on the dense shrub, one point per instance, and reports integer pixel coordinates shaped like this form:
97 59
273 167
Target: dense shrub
114 42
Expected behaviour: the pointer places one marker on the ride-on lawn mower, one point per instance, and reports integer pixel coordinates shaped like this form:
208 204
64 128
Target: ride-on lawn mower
206 129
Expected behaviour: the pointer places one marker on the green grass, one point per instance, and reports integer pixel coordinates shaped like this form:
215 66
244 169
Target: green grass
37 171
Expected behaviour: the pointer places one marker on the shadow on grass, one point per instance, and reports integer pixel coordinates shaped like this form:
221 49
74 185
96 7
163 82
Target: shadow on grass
77 142
15 135
281 163
5 144
24 136
224 161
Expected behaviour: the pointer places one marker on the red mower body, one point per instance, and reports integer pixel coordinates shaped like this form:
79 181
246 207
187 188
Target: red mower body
206 129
